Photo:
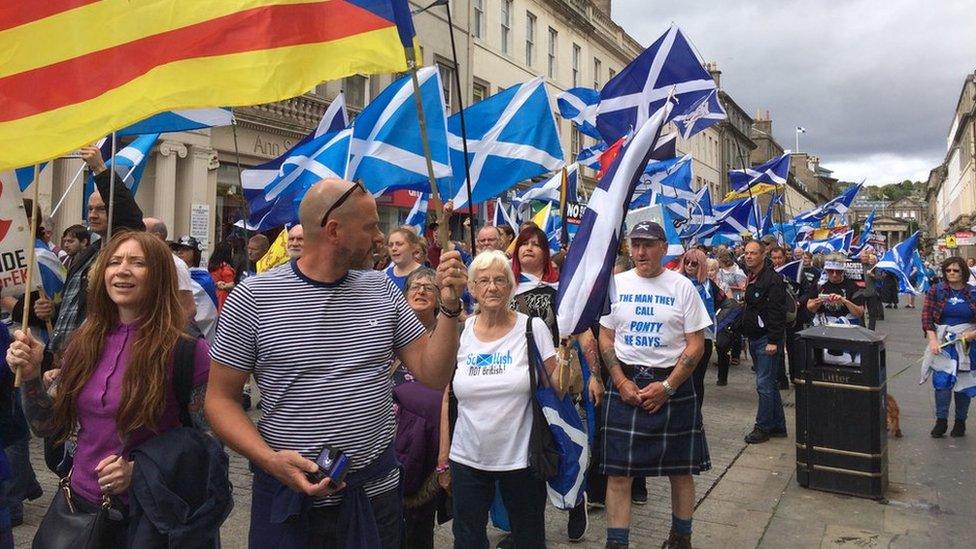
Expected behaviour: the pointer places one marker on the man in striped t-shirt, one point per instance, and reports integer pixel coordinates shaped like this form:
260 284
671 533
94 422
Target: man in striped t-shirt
318 335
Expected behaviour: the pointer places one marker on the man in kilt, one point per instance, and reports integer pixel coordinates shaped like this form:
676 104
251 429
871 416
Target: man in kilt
651 342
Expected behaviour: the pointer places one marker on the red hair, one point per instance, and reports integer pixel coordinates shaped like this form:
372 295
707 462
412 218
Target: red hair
549 272
699 257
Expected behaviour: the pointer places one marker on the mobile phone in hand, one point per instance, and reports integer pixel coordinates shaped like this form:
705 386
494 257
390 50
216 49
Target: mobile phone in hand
333 464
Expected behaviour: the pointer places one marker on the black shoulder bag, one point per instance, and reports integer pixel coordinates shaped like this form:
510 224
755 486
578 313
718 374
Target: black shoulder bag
543 453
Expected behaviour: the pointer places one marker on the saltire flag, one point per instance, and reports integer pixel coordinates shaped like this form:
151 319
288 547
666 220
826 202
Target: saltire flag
586 277
921 281
667 177
837 205
179 121
417 217
865 235
731 223
23 176
130 162
898 261
788 230
768 226
707 112
839 243
668 66
578 105
773 172
386 151
550 189
62 85
512 136
502 217
700 214
666 147
590 156
675 248
274 190
51 270
792 271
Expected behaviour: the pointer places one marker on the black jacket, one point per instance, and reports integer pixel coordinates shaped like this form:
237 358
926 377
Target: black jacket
765 306
180 492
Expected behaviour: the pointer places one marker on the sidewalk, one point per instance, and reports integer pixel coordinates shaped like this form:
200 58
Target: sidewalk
750 497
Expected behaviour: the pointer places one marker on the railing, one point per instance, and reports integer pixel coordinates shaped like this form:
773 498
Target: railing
304 110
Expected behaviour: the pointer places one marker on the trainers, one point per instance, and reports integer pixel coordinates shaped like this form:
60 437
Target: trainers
578 521
757 436
677 541
940 428
507 542
958 428
638 491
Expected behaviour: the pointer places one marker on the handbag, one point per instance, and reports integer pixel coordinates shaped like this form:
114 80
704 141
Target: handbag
543 453
65 526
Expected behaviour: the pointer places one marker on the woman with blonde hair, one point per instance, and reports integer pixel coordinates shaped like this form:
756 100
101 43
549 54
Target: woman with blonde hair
403 245
115 388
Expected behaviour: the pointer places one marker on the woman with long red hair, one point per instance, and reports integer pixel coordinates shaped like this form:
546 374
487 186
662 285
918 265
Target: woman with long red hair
114 390
536 277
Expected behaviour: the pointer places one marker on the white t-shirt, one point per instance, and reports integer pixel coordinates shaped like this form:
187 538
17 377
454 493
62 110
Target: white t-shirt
650 317
494 397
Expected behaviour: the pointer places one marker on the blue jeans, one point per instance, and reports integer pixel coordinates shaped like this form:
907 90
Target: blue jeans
942 399
769 415
474 490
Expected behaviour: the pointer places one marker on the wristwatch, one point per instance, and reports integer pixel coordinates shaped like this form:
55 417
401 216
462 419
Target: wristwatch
668 389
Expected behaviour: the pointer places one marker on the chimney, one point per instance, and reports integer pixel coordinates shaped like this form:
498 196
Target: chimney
763 123
712 68
603 6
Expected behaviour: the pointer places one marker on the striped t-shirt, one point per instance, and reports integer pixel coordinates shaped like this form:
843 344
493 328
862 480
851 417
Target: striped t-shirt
320 354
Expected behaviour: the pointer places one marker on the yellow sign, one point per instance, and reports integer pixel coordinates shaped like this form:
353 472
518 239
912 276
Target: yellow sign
950 241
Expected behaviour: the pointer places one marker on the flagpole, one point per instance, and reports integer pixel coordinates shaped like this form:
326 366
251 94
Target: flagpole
240 182
563 202
797 132
111 190
31 260
67 190
464 133
755 206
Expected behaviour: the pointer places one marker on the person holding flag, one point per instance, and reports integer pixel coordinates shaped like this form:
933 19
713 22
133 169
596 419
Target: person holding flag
651 343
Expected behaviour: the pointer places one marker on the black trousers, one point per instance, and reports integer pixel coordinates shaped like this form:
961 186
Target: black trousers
698 377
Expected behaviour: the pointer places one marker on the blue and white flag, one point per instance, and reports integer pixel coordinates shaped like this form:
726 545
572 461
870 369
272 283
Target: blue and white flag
865 235
775 172
837 243
731 223
898 261
590 156
180 121
550 189
792 271
24 176
275 189
130 162
667 177
768 226
386 151
502 217
700 214
205 298
706 113
666 147
586 277
669 66
578 105
417 217
51 270
920 279
512 137
837 205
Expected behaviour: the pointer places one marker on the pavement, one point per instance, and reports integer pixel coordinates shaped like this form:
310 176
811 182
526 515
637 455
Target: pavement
750 497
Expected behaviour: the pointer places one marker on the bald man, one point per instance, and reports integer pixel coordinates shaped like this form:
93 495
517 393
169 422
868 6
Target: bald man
317 334
488 239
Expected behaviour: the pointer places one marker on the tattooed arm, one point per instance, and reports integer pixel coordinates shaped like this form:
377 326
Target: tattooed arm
26 354
195 408
694 347
625 386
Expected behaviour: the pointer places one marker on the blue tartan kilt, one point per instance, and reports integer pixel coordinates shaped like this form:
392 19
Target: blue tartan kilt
668 442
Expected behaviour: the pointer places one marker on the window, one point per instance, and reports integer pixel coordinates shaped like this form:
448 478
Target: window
506 25
479 18
576 65
529 38
574 144
447 83
610 74
355 87
596 73
479 90
553 35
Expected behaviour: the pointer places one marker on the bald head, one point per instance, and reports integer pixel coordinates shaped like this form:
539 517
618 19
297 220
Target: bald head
319 199
156 227
351 230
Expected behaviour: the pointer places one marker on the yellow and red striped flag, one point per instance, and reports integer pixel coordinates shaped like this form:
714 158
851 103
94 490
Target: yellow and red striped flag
72 71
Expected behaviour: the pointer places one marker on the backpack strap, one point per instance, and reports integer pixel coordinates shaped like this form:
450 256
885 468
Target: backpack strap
184 356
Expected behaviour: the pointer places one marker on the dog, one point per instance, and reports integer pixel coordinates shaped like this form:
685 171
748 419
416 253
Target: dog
892 425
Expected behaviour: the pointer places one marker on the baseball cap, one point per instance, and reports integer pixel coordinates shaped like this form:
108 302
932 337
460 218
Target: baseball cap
649 230
185 241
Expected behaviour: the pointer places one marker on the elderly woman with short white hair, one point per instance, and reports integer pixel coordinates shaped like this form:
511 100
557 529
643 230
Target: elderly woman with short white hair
494 419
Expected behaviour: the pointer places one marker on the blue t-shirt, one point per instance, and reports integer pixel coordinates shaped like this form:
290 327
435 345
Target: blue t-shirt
400 281
705 293
956 309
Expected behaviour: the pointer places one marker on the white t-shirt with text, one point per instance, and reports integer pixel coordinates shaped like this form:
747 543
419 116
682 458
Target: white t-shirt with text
494 397
650 317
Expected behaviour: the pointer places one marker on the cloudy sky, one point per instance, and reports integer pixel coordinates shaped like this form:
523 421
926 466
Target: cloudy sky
875 83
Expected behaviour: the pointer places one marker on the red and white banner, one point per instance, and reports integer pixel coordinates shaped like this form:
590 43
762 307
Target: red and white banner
14 239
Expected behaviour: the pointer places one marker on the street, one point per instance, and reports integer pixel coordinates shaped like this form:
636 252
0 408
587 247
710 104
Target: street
750 497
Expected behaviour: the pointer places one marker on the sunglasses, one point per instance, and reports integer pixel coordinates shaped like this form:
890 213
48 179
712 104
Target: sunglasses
691 263
953 270
345 196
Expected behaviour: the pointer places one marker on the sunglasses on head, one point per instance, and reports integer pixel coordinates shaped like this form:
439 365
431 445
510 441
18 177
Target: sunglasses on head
345 196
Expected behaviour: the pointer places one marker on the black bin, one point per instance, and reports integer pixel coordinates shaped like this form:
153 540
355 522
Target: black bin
841 441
